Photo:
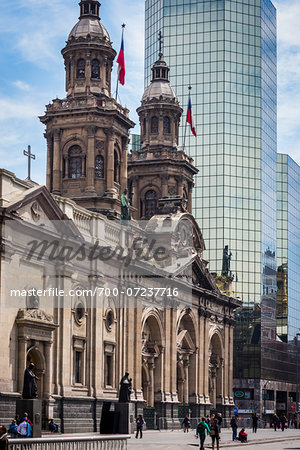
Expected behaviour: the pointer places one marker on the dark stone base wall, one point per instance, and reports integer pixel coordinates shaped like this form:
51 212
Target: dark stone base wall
83 415
7 409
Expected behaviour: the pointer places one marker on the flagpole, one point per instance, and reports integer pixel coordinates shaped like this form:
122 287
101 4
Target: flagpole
190 87
117 88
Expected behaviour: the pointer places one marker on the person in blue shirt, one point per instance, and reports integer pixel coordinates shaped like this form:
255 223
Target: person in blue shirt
13 429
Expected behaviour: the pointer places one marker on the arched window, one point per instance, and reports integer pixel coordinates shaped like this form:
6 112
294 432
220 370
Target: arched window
86 9
95 69
150 203
144 127
93 9
80 68
99 166
154 125
167 125
75 162
116 167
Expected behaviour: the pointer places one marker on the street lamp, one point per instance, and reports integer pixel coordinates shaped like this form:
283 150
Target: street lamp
297 380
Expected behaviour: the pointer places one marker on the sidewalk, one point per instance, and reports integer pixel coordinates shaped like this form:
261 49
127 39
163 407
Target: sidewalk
178 439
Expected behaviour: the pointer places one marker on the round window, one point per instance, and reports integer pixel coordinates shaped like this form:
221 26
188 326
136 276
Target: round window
109 320
79 312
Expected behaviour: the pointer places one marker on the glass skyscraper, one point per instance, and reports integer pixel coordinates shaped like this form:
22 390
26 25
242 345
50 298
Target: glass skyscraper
226 50
288 262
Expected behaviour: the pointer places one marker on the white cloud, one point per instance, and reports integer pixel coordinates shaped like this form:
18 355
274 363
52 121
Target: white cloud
18 109
21 85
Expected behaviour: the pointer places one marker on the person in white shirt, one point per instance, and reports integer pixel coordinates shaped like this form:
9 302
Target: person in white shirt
22 428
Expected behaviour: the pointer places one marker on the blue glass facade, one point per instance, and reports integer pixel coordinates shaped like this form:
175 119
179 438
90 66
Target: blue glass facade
226 50
288 257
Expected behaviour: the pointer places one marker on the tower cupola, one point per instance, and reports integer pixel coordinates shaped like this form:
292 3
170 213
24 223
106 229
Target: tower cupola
89 8
160 70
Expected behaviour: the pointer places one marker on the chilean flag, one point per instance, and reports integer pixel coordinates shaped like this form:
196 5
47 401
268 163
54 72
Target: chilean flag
121 62
189 118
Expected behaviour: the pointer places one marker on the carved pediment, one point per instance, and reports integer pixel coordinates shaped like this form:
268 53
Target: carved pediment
185 343
34 315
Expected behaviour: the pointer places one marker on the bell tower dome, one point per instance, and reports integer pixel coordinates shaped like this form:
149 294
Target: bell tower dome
87 132
159 170
88 54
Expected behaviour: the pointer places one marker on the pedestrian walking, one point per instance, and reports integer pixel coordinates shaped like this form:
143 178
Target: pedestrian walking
139 426
201 430
186 423
254 422
3 438
219 421
215 435
234 427
275 422
283 423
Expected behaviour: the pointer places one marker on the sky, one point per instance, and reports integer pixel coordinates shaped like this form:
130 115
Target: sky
32 34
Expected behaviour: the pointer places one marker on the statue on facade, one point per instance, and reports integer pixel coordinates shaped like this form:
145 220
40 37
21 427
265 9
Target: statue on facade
125 388
125 206
29 386
226 261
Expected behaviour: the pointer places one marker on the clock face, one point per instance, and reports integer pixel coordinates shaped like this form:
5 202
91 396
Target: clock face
35 211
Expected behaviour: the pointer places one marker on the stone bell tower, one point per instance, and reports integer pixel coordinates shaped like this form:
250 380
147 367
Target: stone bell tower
159 170
87 132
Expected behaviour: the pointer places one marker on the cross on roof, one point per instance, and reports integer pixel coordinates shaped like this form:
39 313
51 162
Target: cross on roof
30 157
160 40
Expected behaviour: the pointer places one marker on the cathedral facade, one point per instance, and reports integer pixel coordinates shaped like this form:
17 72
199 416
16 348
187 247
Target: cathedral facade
177 347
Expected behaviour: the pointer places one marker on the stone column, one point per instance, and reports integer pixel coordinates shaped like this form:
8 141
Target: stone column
56 163
190 198
123 174
151 386
226 394
186 364
201 358
230 344
164 185
22 350
179 180
206 359
72 76
88 73
90 160
160 136
47 376
110 164
49 160
180 390
135 197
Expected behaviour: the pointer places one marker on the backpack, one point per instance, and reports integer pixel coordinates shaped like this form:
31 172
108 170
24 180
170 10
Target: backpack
201 428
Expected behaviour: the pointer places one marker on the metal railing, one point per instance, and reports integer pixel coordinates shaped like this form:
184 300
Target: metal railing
118 442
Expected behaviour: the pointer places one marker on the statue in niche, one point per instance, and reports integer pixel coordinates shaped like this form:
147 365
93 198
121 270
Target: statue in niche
125 388
29 386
